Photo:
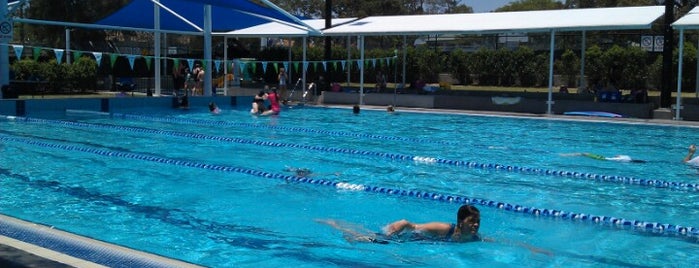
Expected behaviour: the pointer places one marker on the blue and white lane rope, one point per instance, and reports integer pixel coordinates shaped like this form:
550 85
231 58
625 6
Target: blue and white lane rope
287 129
637 225
393 156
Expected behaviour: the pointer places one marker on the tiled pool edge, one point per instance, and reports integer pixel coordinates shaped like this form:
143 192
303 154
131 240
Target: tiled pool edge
75 250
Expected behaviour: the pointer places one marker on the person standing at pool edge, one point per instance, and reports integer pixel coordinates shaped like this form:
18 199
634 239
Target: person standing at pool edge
282 84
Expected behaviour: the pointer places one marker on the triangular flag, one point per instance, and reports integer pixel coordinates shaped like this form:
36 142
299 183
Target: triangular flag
264 67
305 66
148 61
191 64
254 68
217 64
59 54
131 59
315 66
335 65
276 67
325 66
286 66
36 53
242 67
18 51
176 64
344 63
112 59
77 55
98 58
373 63
296 66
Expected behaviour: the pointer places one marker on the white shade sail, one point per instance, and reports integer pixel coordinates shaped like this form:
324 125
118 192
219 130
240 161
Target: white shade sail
279 29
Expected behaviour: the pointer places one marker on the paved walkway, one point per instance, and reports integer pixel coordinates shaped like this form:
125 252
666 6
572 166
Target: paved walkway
11 257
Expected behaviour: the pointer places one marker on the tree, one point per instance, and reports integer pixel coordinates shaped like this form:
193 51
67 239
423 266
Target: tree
523 5
83 11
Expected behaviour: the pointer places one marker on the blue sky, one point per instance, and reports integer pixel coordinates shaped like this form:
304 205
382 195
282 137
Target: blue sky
480 6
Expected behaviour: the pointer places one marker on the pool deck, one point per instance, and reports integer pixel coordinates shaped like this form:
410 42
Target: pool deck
15 253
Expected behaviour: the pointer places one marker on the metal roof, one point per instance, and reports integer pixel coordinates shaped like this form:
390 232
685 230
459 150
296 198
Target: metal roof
688 21
640 17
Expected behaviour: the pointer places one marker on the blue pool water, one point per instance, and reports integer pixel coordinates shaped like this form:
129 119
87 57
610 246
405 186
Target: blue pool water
213 190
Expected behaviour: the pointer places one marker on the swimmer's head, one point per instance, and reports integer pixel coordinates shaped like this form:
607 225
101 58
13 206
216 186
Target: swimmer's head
303 172
468 219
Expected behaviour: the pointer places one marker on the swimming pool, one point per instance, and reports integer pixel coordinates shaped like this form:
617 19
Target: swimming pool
212 190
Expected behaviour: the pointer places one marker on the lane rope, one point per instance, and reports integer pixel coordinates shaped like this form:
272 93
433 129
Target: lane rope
656 183
637 225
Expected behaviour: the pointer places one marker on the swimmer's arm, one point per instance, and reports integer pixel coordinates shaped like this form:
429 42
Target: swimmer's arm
690 153
436 228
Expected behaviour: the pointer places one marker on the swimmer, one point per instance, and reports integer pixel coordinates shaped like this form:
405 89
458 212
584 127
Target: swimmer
617 158
274 108
258 104
690 159
299 172
213 108
465 229
390 109
306 172
355 109
468 220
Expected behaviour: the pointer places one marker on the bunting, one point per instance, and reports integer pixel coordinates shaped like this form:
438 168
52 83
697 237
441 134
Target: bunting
149 61
132 59
112 59
59 54
77 55
98 58
18 51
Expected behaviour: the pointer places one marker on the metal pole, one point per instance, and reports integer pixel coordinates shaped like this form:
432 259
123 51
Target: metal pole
361 70
207 50
583 46
303 73
395 75
4 51
549 103
67 45
678 104
405 56
157 46
349 60
225 65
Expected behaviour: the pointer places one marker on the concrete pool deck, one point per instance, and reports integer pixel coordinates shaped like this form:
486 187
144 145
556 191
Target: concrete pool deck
16 253
79 250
